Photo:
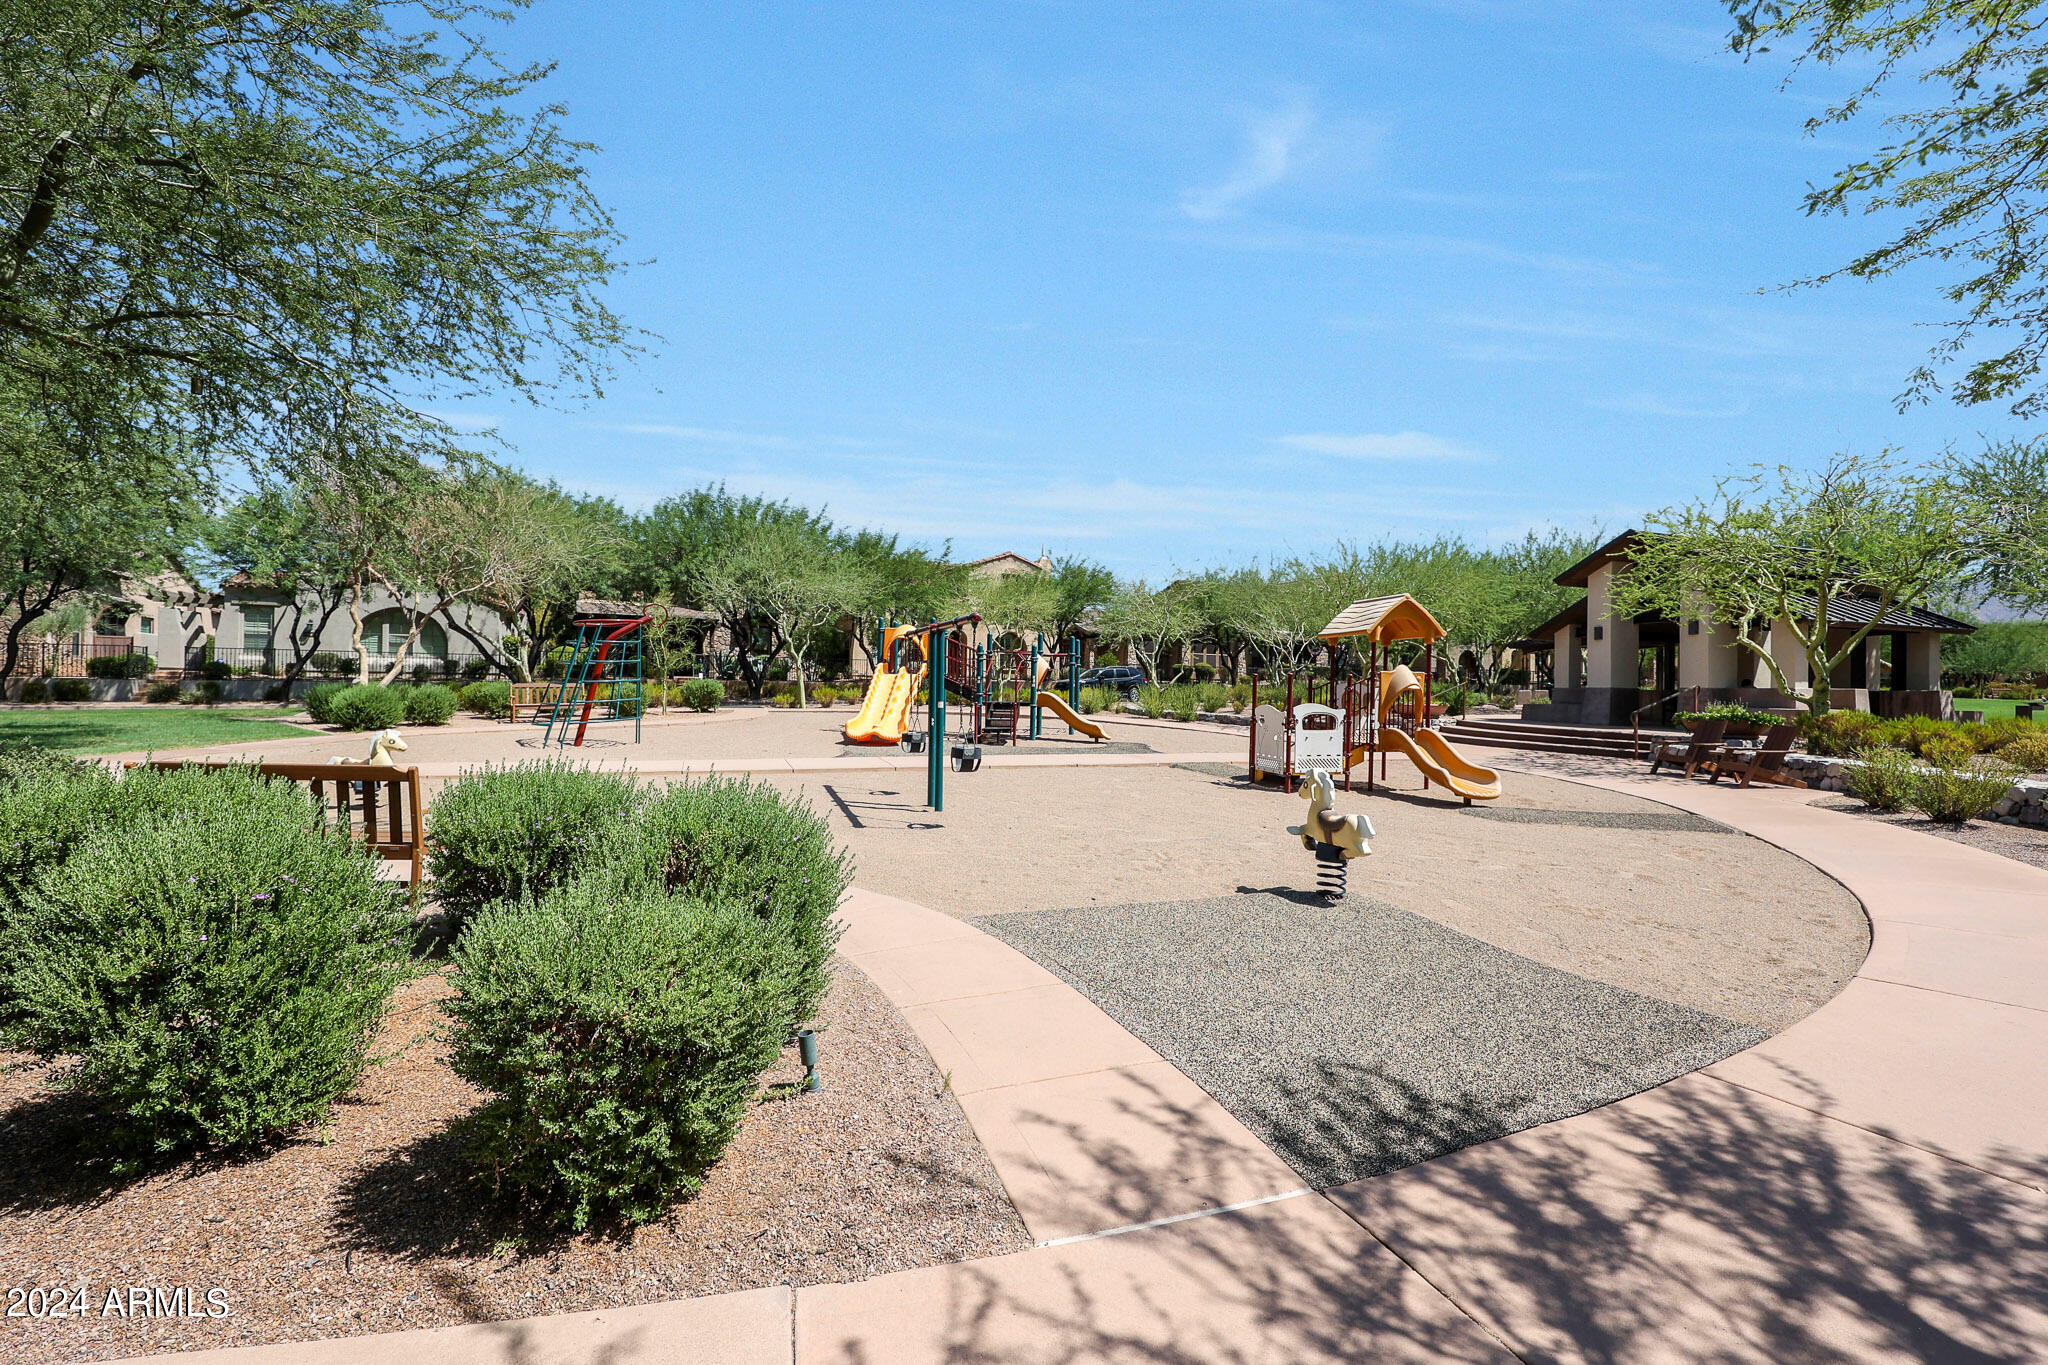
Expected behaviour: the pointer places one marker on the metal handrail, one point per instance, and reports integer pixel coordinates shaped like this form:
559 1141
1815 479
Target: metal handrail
1635 717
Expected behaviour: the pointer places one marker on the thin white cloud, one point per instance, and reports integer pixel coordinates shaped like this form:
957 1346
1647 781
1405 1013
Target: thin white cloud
1645 404
1276 145
1394 445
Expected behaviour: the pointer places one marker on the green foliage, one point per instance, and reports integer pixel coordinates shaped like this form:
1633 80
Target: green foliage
157 694
500 835
120 666
218 965
731 842
824 696
788 700
319 700
1953 789
491 697
622 1038
1094 699
1997 649
702 694
1730 711
1839 733
2027 752
1882 779
70 690
429 704
35 692
1153 700
368 707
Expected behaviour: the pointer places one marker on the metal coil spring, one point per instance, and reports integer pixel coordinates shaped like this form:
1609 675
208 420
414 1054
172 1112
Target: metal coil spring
1332 872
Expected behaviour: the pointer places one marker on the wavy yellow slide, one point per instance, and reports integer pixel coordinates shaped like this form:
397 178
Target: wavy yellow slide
1055 703
1439 763
885 711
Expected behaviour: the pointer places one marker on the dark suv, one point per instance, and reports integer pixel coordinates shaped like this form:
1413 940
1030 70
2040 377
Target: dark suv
1123 679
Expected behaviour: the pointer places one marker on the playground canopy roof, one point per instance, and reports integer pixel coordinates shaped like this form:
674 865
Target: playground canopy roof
1380 619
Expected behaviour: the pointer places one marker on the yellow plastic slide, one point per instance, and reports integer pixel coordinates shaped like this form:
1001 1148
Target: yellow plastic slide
1439 763
885 712
1055 703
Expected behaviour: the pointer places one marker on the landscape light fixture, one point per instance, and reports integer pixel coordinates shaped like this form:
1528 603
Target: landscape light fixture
807 1052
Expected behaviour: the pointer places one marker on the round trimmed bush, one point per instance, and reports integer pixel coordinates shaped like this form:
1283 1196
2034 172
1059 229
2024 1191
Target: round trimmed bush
368 707
491 697
319 700
519 832
623 1038
702 694
35 692
161 693
429 704
218 967
728 841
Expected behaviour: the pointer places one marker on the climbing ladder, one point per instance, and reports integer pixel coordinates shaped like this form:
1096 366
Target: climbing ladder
604 677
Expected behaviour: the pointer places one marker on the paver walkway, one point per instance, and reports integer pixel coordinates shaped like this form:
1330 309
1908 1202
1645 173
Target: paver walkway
1871 1184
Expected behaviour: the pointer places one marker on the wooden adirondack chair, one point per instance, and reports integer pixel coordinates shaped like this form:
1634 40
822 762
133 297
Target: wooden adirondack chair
1706 739
1765 764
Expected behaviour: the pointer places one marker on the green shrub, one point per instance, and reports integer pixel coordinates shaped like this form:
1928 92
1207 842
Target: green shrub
319 700
492 697
1882 778
429 704
334 665
218 967
368 707
1838 733
703 694
520 832
70 689
1095 699
120 666
823 696
217 669
1183 701
728 841
2027 752
35 692
1957 792
622 1039
206 693
1152 700
787 700
161 693
1730 711
1212 696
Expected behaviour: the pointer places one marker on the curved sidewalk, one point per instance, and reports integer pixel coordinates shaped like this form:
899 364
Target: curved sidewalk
1867 1185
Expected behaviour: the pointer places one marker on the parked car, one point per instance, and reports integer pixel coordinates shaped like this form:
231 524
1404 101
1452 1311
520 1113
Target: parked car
1122 679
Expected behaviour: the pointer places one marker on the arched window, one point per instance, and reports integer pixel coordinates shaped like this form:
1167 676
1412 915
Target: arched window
386 630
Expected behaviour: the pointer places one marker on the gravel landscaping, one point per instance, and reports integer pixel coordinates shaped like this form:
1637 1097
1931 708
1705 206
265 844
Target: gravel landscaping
370 1224
1356 1038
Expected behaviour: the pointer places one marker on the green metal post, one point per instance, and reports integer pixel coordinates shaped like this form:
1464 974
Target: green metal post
935 763
1074 671
1031 681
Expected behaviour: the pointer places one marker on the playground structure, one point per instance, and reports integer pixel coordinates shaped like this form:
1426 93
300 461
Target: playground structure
1387 710
1002 688
604 680
885 711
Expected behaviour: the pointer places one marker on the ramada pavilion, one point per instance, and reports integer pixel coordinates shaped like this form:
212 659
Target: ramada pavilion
1605 666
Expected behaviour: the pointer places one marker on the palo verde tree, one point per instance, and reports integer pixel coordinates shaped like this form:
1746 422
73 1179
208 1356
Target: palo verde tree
1963 172
790 575
1148 621
257 219
1783 549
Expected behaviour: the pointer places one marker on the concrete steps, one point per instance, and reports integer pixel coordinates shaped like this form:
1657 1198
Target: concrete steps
1598 740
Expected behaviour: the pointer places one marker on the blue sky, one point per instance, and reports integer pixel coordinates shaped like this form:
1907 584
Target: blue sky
1172 285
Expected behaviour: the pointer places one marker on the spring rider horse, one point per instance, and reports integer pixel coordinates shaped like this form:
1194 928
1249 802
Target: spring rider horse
1334 839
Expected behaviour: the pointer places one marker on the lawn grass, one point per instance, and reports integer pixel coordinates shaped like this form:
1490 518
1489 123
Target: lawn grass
114 730
1994 708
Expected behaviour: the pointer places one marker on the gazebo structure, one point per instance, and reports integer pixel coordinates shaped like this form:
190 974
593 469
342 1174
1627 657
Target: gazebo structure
1606 666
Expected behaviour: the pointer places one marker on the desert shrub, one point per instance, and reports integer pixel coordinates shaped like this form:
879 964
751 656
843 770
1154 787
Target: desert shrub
1095 699
824 696
2026 752
35 692
120 666
1152 700
319 700
492 697
1183 702
70 689
520 832
786 700
161 693
1213 696
1948 751
1881 778
22 761
430 704
206 693
728 841
367 706
1838 733
1730 711
702 694
1953 793
217 669
622 1038
473 670
218 968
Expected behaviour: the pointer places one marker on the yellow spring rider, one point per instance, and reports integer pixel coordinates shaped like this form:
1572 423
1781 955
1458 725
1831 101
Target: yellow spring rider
885 712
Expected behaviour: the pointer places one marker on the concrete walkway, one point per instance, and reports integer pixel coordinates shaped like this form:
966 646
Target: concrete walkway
1871 1184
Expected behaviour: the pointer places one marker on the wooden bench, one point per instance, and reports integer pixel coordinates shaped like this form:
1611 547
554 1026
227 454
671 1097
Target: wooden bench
530 700
384 815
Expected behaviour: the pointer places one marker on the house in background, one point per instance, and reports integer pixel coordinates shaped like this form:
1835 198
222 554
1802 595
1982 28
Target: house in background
259 624
164 615
1606 666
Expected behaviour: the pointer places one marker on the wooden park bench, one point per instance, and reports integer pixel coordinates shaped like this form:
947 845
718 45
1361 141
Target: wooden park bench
532 699
372 803
1705 741
1765 763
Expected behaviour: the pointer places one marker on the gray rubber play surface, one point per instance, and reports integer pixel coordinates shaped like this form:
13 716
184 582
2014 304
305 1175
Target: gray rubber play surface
1357 1038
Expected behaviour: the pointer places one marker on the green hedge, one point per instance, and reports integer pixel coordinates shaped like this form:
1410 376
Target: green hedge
429 704
492 697
701 694
120 666
319 701
217 965
499 835
622 1038
368 707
